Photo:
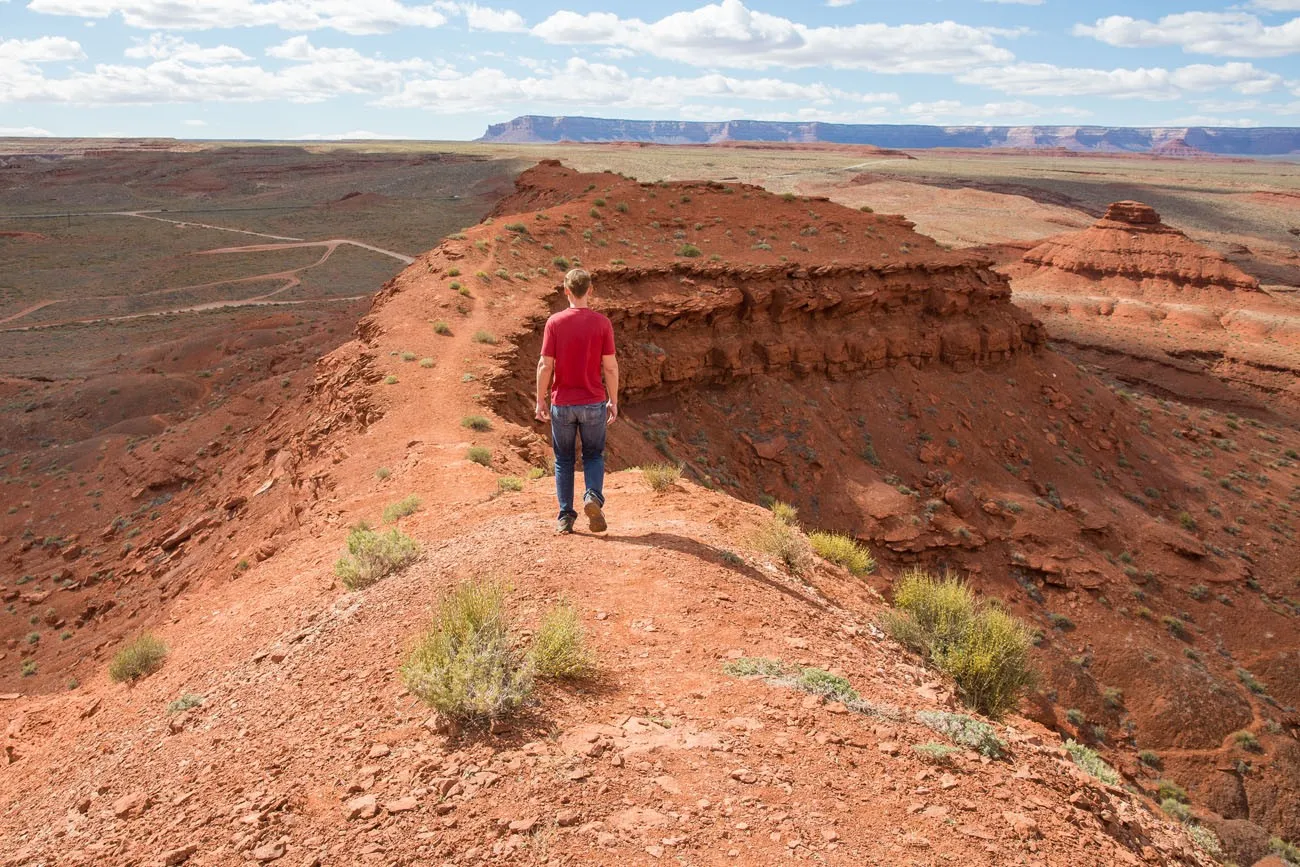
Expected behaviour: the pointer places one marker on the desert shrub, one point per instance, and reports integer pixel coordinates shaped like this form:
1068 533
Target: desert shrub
1198 591
1150 758
441 327
1060 621
935 752
408 355
185 702
426 363
661 477
1252 683
621 207
690 251
479 455
1247 741
815 681
465 665
509 484
485 337
560 262
1075 717
454 286
1176 809
140 657
29 668
842 550
984 649
476 422
1168 789
390 380
1288 852
751 666
1090 761
403 507
1206 840
383 473
785 512
535 473
516 227
964 731
560 646
1175 626
372 556
784 542
453 272
1112 697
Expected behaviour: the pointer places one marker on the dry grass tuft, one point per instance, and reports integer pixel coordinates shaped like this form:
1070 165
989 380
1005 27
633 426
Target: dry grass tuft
785 542
372 556
140 657
661 477
844 551
560 647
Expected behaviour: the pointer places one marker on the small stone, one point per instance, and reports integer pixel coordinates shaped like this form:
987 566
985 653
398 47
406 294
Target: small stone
130 806
830 835
524 826
567 818
655 851
269 852
889 748
364 807
378 751
172 857
744 775
402 805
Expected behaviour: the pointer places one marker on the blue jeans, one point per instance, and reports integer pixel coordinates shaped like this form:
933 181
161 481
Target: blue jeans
568 423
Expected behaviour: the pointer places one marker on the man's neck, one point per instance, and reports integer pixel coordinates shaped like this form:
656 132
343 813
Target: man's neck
578 303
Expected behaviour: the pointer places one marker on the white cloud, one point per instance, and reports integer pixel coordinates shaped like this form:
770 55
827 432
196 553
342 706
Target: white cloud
44 49
1210 120
1019 2
310 74
728 34
494 20
1275 5
998 113
1046 79
348 16
583 83
808 114
23 132
835 4
1230 34
161 46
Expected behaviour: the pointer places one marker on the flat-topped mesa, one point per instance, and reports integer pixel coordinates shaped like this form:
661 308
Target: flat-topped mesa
1131 213
1131 242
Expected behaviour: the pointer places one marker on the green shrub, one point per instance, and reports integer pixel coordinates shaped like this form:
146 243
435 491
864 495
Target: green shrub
1247 741
1150 758
1176 809
383 473
621 207
479 455
1198 591
785 512
815 681
403 507
1252 683
476 422
441 327
29 668
842 550
1075 717
372 556
1168 789
1175 626
935 752
560 647
661 477
1090 761
784 542
1206 840
485 337
1060 621
465 664
535 473
983 648
516 227
509 484
426 363
390 380
1112 697
185 702
1288 852
408 355
965 731
455 286
751 666
140 657
560 262
690 251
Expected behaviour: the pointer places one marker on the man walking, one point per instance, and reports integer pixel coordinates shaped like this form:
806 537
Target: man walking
577 347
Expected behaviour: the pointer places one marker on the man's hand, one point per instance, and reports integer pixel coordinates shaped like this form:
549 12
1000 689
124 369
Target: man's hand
543 413
613 413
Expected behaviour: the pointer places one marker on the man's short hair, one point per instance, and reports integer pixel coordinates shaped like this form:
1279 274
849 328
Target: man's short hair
577 282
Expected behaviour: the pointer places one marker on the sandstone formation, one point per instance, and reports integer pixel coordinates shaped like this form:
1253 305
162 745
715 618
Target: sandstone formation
1132 243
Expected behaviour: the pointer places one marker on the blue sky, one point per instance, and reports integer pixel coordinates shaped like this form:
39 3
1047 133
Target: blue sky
444 69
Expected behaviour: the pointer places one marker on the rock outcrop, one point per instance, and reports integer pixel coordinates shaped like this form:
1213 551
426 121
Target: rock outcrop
1132 243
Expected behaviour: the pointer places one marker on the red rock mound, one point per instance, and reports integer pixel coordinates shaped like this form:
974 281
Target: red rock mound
1131 242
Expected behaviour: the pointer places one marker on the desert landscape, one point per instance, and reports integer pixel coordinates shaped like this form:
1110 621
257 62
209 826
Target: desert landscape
1070 379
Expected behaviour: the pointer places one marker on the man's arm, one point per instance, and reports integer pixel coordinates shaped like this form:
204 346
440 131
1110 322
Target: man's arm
545 371
609 364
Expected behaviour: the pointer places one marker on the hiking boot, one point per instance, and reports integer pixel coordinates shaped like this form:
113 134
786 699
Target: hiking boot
595 515
564 526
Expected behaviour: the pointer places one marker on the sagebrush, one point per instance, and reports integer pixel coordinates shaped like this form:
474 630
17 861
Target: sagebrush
560 645
843 551
140 657
372 556
661 477
983 648
785 542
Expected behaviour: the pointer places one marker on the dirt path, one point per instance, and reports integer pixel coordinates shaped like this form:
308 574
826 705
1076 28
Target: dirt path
144 216
332 245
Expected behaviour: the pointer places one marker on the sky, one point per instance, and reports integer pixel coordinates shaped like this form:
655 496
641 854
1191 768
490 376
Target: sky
443 70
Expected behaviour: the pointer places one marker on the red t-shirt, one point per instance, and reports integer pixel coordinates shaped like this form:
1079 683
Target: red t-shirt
577 338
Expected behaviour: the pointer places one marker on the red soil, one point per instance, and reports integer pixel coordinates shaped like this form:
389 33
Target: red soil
829 357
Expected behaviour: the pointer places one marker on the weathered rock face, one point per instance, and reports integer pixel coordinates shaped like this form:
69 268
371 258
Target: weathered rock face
1131 242
683 326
